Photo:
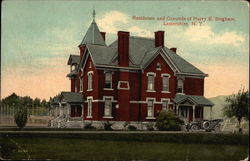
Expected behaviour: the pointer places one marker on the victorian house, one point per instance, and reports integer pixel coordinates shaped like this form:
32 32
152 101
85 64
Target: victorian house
132 79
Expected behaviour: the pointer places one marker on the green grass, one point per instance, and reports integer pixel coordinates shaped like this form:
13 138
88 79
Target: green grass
81 149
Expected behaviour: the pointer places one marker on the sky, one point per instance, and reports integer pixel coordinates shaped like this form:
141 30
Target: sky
37 38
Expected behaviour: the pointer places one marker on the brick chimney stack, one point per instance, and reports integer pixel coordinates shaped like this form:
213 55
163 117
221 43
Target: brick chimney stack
123 48
159 38
174 49
103 35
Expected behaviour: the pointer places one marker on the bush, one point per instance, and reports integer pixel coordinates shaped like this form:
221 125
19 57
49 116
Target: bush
132 128
89 126
168 121
21 117
150 127
107 126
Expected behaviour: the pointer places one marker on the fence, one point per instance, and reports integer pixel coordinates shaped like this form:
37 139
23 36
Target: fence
37 116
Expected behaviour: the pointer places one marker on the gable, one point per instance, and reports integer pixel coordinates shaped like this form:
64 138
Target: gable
155 57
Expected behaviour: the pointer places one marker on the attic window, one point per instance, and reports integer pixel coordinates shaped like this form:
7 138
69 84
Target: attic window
158 66
90 65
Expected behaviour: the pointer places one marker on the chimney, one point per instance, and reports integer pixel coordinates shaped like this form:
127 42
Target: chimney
103 35
123 48
173 49
159 38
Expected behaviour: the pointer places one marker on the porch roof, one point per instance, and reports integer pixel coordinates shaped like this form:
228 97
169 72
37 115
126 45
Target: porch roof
71 97
196 100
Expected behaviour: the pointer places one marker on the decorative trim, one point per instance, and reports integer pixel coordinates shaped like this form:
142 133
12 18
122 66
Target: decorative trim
151 73
150 90
165 92
107 117
150 118
108 89
119 85
118 67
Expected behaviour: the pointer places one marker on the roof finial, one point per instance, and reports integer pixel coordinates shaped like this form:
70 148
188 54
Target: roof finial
93 13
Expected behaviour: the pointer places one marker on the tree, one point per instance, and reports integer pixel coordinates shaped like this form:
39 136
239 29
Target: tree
21 117
237 106
168 121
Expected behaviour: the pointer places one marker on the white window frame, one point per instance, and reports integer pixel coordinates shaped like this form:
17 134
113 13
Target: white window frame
168 102
121 82
151 74
182 85
108 115
111 73
81 84
90 106
90 81
153 102
168 86
76 85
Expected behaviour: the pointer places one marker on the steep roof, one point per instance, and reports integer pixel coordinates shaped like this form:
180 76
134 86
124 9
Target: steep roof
71 97
74 59
197 100
93 36
141 51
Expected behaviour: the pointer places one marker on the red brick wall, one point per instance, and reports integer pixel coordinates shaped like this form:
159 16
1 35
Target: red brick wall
194 86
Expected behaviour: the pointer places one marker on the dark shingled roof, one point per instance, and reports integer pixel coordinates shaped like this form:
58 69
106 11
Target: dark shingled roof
141 51
71 97
198 100
74 59
93 36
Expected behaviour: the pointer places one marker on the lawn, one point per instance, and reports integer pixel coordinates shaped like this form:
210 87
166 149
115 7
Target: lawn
81 149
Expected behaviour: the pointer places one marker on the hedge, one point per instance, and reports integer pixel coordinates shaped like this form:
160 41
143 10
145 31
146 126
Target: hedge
184 138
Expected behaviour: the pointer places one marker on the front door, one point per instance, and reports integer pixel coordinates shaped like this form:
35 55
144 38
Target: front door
183 113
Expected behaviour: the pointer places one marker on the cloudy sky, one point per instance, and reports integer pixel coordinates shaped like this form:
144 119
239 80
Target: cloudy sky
38 36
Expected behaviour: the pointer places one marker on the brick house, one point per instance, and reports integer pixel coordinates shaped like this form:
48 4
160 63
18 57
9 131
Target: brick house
132 79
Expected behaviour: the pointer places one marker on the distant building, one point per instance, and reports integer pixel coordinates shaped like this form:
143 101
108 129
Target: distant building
132 79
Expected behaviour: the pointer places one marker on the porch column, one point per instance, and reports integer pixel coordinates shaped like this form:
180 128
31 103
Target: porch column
82 111
177 110
210 113
193 113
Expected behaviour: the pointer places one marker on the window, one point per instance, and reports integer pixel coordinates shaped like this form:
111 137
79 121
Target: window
180 86
151 82
150 108
165 105
108 107
81 84
75 85
165 83
89 112
90 80
108 80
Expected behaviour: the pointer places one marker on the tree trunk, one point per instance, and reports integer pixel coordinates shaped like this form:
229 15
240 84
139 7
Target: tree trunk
239 120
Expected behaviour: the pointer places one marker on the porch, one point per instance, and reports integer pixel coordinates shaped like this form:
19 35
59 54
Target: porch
190 108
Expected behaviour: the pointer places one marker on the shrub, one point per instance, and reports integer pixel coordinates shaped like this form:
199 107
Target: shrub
168 121
107 126
21 117
89 126
132 128
150 127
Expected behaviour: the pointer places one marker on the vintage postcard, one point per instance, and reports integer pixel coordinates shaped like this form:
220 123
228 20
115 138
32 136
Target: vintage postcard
124 80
